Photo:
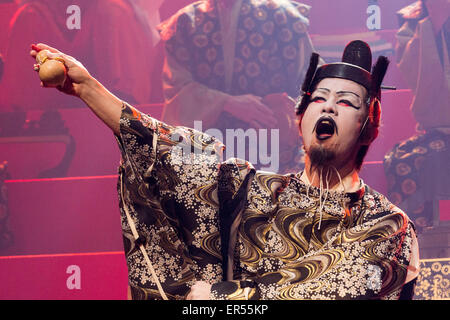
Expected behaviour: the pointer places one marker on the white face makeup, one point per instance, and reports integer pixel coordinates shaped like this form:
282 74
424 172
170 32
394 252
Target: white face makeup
334 118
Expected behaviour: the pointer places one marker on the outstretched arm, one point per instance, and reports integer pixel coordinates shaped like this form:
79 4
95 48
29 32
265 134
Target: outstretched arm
81 84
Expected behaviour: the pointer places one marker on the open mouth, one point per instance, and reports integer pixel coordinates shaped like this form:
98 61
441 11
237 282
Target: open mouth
325 128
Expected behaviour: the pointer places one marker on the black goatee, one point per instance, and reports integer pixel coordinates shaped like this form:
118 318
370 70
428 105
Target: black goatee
321 157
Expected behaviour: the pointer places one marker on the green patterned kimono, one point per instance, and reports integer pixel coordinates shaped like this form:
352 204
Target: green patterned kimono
255 235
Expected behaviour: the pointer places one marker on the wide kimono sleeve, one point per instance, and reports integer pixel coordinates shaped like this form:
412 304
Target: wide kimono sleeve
168 204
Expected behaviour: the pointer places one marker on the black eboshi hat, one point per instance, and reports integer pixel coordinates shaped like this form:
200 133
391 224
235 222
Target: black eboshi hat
355 66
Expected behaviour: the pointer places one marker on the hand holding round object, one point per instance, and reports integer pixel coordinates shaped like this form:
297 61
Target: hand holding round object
52 71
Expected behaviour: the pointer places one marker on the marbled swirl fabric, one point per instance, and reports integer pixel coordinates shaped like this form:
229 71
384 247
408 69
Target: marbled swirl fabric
360 251
253 234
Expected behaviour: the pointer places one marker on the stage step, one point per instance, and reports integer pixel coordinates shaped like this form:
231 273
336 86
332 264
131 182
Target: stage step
63 215
79 276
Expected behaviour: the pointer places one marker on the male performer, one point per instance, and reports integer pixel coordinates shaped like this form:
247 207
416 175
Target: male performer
229 232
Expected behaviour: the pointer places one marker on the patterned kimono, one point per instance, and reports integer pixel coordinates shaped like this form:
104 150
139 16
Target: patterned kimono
256 47
267 53
253 234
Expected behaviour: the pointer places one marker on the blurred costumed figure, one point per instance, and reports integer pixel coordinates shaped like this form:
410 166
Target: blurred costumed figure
417 169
